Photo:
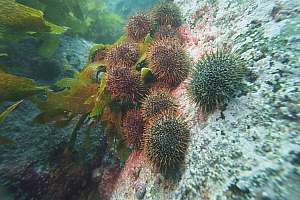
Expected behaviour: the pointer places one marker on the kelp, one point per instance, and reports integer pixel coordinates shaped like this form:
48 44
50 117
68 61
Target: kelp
77 96
88 19
3 115
17 19
15 88
102 100
72 100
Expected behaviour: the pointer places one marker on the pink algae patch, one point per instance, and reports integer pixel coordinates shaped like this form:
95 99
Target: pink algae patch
108 182
133 165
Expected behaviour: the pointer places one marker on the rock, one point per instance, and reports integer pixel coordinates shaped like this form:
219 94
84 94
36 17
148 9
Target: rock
140 190
70 56
257 140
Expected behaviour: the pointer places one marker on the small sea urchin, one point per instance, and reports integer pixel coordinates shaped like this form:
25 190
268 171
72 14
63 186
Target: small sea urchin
167 14
98 53
157 101
166 140
138 27
125 84
215 79
168 61
122 55
133 126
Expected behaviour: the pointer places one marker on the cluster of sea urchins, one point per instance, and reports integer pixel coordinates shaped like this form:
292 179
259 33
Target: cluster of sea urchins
155 124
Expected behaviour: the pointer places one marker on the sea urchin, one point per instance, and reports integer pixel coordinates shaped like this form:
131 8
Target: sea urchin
166 140
138 27
168 61
133 126
122 55
159 100
215 79
125 84
167 14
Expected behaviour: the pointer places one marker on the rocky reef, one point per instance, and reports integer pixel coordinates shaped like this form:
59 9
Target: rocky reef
198 99
250 148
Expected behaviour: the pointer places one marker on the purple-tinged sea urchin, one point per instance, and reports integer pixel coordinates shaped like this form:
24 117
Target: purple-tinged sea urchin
122 55
125 84
168 61
138 27
133 127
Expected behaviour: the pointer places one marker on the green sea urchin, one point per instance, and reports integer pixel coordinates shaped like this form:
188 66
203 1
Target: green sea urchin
125 84
168 61
167 14
157 101
133 126
138 27
166 140
215 79
122 55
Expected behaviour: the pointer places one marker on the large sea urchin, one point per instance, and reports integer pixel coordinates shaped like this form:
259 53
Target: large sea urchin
157 101
125 84
122 55
166 140
138 27
133 126
215 79
167 14
168 61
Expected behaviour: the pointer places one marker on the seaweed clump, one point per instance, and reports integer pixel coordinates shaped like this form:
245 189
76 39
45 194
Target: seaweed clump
122 55
168 61
215 80
138 27
166 140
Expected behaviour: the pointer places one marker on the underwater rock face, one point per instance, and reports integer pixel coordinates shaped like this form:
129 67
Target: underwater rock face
70 56
251 149
26 167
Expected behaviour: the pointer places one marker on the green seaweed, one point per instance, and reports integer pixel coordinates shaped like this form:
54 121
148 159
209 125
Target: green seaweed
3 115
17 19
15 88
88 19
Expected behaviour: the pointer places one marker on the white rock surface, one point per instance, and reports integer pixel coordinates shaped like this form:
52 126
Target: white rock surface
252 149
